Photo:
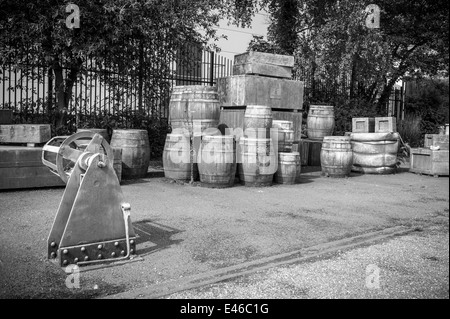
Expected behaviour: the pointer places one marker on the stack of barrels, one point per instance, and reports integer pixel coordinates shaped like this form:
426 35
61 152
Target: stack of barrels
265 150
196 148
335 152
257 154
289 163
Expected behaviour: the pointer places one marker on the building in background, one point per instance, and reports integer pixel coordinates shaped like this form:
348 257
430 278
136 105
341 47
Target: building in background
238 39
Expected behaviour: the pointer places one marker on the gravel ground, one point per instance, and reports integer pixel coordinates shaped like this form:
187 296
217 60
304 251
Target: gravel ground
412 266
194 230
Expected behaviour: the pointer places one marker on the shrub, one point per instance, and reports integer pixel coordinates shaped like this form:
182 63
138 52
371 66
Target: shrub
430 102
345 110
410 130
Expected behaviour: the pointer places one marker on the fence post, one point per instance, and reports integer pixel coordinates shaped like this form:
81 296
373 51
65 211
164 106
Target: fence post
50 90
141 77
211 69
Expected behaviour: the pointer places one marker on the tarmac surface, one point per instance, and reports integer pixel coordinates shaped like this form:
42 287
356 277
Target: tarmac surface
187 231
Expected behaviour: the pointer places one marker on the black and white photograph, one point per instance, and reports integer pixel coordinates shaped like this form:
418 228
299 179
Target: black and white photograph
223 158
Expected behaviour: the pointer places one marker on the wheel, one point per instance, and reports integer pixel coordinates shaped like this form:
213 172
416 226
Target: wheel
69 149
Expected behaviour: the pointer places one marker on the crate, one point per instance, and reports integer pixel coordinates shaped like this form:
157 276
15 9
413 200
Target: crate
25 133
385 125
436 140
234 118
303 149
429 162
311 153
363 125
21 167
5 116
241 90
265 64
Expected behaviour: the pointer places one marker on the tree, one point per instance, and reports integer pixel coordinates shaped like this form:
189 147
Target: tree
283 32
418 38
120 32
333 42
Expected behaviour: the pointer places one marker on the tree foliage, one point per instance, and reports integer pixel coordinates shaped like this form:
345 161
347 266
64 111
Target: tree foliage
119 34
333 44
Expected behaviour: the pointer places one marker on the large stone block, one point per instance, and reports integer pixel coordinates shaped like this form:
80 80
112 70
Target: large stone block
243 90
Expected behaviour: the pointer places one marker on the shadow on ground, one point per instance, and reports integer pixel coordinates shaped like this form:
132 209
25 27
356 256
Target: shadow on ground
153 237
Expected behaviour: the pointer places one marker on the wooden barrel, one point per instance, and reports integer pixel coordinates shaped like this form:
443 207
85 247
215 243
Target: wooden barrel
374 153
177 157
336 156
217 161
194 102
135 147
285 133
289 168
257 161
258 116
320 121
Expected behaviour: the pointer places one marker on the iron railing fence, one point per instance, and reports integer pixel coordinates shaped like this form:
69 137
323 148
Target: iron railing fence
101 88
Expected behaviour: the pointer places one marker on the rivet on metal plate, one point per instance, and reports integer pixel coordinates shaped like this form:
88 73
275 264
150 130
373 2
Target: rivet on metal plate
65 251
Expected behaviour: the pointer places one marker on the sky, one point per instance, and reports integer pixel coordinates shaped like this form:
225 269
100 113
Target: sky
239 38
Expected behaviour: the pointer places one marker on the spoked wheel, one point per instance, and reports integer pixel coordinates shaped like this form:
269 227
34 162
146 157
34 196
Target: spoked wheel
65 151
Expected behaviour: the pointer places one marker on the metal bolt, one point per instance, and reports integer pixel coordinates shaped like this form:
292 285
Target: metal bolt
86 258
75 260
99 246
65 251
113 254
53 255
65 262
116 243
132 251
99 256
83 248
122 252
132 242
53 244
